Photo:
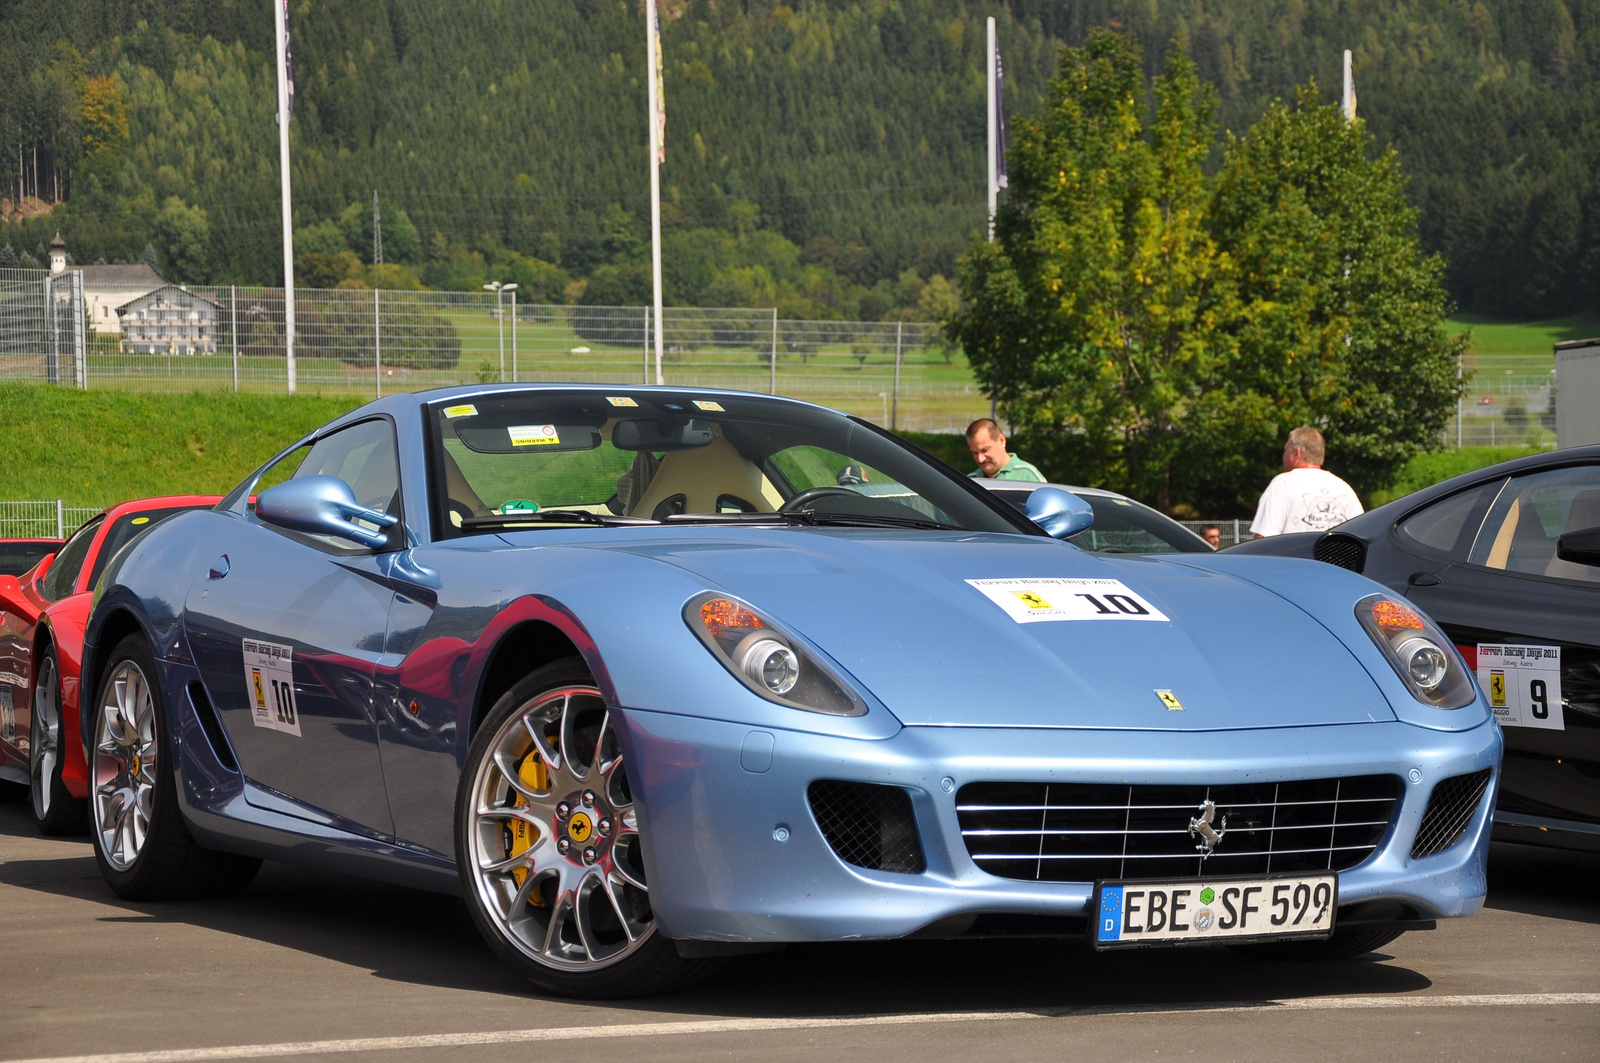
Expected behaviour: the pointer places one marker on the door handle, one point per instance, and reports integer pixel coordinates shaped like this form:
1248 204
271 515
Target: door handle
219 568
1423 579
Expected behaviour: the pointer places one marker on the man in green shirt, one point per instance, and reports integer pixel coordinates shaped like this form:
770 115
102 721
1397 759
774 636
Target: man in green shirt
988 446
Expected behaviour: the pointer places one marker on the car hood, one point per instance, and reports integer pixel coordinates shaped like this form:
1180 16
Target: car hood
897 612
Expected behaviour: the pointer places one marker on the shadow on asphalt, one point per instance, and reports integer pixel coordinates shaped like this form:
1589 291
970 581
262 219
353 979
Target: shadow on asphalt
422 938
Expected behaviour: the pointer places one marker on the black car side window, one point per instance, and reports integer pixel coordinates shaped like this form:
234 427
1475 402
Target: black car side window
1449 526
1531 514
57 583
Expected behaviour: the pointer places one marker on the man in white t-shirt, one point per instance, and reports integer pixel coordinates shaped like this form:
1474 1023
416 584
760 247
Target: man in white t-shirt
1304 497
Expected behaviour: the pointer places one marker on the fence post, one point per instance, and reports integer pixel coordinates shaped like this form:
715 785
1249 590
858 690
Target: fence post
1236 531
513 335
80 351
772 363
647 344
52 356
377 344
233 331
61 521
894 411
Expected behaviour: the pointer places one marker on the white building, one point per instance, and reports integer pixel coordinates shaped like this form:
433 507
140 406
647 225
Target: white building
106 287
169 320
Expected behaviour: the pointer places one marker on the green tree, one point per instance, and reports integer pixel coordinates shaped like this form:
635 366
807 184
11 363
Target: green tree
1099 313
183 238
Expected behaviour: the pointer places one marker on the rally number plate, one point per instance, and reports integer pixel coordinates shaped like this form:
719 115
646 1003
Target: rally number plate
1129 914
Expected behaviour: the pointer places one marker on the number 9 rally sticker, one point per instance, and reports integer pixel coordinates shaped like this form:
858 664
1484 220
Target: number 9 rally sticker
1030 601
269 686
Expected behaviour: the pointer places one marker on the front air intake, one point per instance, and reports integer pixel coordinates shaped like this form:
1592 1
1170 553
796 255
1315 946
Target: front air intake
1450 809
868 826
1346 551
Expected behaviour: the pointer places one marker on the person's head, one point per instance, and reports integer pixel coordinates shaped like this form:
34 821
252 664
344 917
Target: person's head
988 445
1304 449
1213 535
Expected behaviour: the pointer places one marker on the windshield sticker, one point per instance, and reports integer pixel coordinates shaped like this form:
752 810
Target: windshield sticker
269 682
712 407
533 435
620 400
1030 601
1523 684
141 520
467 410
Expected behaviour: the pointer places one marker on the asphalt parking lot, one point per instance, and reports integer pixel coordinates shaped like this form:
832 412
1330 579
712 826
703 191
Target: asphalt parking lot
306 965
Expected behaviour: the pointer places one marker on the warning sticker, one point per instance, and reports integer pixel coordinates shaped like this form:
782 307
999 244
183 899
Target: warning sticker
269 684
533 435
465 410
620 400
1029 601
1523 684
713 407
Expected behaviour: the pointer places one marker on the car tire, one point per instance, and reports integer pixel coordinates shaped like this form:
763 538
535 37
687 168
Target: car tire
549 849
1345 943
55 810
143 846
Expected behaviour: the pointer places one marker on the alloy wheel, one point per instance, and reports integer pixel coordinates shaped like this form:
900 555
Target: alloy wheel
44 753
553 835
124 770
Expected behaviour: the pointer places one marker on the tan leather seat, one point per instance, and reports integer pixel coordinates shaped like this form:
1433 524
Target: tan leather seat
698 480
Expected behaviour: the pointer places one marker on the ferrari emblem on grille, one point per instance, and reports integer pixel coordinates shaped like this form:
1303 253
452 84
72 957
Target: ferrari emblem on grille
1200 826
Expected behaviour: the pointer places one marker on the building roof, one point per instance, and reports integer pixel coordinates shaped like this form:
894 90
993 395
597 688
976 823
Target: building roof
137 275
174 287
58 243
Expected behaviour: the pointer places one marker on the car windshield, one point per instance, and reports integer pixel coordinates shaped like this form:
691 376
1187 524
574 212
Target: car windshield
16 557
549 458
1122 526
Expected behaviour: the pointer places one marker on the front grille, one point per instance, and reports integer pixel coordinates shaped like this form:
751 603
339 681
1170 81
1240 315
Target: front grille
1343 550
1450 807
869 826
1079 832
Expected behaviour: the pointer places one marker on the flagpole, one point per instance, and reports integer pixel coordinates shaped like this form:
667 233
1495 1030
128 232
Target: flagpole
994 127
651 31
1347 98
280 15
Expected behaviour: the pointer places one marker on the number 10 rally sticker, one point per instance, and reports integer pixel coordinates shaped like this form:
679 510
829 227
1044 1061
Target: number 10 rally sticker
269 684
1523 684
1030 601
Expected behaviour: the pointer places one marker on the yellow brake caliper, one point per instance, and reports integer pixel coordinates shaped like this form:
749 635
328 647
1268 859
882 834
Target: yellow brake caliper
520 834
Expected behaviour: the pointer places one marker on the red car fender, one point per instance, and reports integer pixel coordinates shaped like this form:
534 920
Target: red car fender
63 624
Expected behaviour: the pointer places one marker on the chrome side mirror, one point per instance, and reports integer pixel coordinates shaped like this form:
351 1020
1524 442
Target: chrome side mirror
1061 514
322 505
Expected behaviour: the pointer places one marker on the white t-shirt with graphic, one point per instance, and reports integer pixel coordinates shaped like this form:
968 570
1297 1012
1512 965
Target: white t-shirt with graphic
1303 500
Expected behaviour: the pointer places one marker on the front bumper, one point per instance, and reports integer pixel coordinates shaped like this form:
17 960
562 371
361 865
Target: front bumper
735 854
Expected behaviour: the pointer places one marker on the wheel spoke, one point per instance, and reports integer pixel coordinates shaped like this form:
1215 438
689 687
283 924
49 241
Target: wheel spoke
616 906
583 917
601 764
552 757
560 912
569 739
508 771
622 874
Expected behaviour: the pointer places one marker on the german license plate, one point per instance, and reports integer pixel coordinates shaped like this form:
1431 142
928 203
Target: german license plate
1131 913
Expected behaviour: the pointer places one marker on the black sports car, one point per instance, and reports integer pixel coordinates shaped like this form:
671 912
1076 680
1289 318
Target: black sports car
1507 560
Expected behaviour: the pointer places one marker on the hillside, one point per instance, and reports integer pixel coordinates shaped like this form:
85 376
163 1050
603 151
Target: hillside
816 151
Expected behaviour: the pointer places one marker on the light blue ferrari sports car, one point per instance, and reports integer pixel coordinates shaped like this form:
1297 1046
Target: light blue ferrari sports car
653 676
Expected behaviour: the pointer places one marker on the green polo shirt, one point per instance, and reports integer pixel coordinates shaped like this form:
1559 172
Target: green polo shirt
1014 469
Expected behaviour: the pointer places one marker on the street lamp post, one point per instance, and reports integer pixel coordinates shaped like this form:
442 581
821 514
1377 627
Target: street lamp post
500 319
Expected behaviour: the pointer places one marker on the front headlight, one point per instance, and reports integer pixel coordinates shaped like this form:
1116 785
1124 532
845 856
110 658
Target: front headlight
765 659
1418 651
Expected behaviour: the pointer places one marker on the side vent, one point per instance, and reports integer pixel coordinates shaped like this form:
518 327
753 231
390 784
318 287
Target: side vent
1450 808
1345 551
211 725
868 826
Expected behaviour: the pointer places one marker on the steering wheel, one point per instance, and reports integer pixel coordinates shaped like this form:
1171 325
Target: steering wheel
812 494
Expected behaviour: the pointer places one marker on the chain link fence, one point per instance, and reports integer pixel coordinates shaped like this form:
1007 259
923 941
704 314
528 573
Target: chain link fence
41 520
182 338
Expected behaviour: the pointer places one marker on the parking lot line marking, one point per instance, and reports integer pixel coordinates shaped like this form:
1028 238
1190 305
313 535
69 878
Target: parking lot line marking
714 1026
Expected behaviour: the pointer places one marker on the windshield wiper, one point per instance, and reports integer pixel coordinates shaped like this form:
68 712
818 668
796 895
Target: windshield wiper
554 516
809 518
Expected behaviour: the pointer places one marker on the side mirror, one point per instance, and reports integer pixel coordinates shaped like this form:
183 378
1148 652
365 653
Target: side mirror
1061 514
322 505
11 599
1580 547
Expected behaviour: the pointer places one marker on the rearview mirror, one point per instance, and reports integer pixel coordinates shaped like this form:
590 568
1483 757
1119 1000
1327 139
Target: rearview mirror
322 505
653 435
1580 547
1061 514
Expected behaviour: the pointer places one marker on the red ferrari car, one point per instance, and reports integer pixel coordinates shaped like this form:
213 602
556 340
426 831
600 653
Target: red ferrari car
42 614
